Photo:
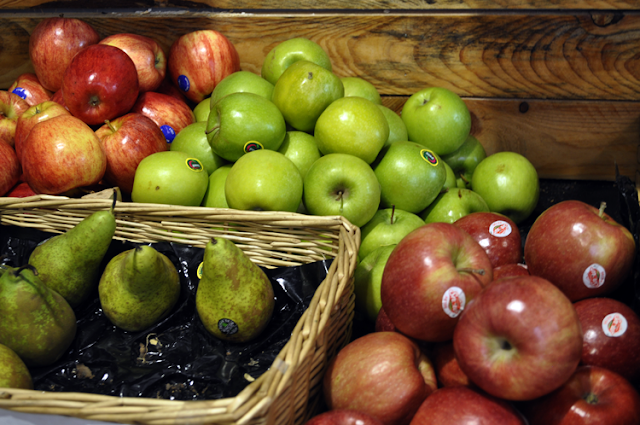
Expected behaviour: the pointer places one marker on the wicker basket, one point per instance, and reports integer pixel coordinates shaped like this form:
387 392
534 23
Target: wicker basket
289 392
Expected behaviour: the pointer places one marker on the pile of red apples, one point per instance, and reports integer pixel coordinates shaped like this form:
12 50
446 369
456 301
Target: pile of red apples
480 325
87 92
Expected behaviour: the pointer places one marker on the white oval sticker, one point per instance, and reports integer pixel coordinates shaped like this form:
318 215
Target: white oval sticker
614 324
453 301
593 276
500 228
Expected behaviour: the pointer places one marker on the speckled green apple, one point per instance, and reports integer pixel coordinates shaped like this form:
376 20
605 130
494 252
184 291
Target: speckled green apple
214 197
301 148
356 86
397 128
452 205
388 226
465 159
193 140
241 81
281 56
367 281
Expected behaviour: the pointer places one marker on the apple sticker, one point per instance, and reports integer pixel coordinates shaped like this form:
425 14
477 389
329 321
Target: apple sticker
453 301
593 276
169 132
194 164
183 83
614 324
20 92
429 157
500 229
252 146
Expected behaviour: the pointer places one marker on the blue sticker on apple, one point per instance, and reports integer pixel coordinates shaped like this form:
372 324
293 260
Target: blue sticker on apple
183 83
20 92
169 132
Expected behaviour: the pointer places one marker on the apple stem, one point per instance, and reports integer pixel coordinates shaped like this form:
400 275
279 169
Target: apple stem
590 398
115 199
111 127
603 205
393 211
475 271
341 199
464 179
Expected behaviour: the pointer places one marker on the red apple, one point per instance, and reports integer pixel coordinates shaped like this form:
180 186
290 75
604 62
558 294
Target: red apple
611 336
28 87
463 405
343 417
58 98
167 87
127 140
147 55
169 113
11 107
52 45
446 365
101 83
9 167
61 154
383 323
592 396
579 248
430 276
519 339
31 117
21 190
496 233
199 60
510 270
383 374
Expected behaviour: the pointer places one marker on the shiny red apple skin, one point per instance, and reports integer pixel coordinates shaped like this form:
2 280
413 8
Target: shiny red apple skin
147 55
101 83
32 116
11 107
168 112
52 45
127 140
446 365
465 406
199 60
28 87
611 336
592 396
497 234
519 339
61 154
383 374
21 190
583 253
510 270
343 417
383 323
10 168
431 275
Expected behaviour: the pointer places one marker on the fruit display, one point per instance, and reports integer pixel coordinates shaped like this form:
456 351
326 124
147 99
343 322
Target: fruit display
478 294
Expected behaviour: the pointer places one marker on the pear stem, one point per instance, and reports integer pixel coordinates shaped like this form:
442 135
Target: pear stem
17 271
603 205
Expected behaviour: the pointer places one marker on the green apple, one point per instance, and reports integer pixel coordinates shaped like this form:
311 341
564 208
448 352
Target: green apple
170 177
264 180
303 92
367 282
215 197
410 176
387 227
342 184
465 159
301 148
451 182
202 109
242 122
193 140
356 86
509 183
397 128
352 125
290 51
437 118
454 204
241 81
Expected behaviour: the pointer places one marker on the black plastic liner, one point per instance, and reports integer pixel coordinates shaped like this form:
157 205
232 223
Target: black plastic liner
177 359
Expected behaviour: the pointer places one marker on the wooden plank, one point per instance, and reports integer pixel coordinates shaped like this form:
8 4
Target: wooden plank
545 56
327 4
563 139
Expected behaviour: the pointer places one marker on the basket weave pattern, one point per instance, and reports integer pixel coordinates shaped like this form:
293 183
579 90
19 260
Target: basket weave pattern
289 392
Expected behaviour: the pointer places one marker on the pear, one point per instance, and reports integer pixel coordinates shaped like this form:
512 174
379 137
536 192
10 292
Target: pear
37 323
234 299
69 263
13 371
138 288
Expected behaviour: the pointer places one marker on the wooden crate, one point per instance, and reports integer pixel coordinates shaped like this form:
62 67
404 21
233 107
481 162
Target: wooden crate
555 80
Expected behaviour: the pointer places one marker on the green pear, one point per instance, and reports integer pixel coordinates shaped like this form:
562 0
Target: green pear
69 263
37 323
13 372
234 298
138 288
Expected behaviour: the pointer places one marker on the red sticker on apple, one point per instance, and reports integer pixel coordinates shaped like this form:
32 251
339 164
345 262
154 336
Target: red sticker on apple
500 228
453 301
429 156
194 164
593 276
252 146
614 324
